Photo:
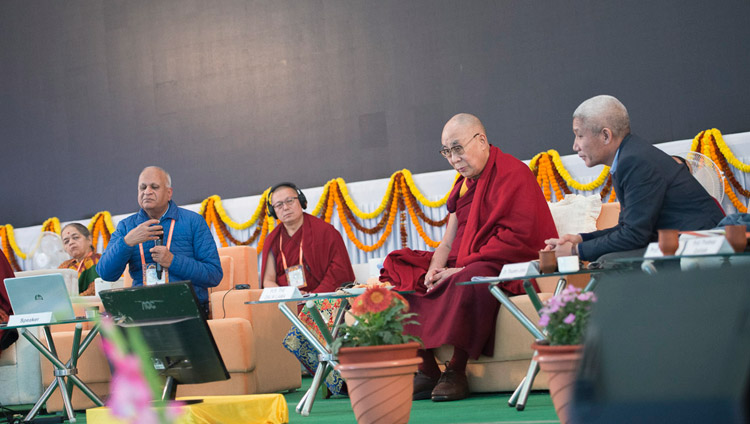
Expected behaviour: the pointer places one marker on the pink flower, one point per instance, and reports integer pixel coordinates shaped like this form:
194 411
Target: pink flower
569 319
544 320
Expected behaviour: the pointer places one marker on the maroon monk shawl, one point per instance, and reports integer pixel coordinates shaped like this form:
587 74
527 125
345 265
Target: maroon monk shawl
327 264
509 216
5 272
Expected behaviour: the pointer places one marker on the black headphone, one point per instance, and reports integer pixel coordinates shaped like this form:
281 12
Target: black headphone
300 196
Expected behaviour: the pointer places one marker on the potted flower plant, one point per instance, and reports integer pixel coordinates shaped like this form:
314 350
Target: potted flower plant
563 318
376 358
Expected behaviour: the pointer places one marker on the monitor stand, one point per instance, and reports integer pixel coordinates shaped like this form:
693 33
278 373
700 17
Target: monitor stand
170 392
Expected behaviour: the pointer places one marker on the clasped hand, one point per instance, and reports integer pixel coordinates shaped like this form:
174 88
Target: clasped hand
564 244
436 276
146 231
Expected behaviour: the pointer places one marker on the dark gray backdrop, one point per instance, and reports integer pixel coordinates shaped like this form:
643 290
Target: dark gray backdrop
234 96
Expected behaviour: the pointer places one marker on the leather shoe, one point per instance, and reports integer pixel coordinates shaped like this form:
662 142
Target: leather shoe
423 385
451 386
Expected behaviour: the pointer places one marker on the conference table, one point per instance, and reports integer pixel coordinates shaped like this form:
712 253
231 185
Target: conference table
521 394
327 360
62 370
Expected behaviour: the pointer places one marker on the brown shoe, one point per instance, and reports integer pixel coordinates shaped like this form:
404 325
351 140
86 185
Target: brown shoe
423 385
451 386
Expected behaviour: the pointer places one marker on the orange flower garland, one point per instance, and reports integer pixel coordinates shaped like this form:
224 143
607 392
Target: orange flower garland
410 207
709 148
100 229
7 249
333 197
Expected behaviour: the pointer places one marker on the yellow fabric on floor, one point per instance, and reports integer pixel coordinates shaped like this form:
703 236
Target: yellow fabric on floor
261 409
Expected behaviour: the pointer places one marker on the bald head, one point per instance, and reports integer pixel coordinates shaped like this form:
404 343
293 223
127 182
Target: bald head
602 112
154 191
160 170
465 120
465 145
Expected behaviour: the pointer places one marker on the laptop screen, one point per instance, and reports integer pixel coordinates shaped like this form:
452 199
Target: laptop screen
39 294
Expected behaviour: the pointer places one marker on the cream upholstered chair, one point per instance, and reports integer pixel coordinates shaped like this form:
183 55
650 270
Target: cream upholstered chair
245 264
249 340
227 281
508 366
20 372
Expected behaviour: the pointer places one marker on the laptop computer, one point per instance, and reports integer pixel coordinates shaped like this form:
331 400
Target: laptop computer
38 294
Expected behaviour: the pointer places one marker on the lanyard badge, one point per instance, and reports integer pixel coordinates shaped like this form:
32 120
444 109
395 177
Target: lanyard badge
150 274
295 274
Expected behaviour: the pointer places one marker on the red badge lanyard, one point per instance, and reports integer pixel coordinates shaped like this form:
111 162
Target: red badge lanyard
143 257
283 258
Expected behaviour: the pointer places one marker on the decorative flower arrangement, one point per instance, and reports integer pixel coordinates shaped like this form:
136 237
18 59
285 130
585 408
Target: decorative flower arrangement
565 316
135 384
380 316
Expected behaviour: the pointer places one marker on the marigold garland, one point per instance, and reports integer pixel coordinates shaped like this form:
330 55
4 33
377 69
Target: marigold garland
333 196
401 196
707 147
411 208
6 232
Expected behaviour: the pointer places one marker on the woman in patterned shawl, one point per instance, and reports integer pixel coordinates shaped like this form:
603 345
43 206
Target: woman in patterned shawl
78 244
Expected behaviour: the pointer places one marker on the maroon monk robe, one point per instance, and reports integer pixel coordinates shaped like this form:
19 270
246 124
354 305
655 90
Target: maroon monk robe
5 272
502 218
324 254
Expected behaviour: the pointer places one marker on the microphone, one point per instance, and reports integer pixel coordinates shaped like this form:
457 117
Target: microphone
159 269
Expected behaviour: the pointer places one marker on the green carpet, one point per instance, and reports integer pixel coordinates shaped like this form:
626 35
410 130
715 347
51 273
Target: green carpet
486 408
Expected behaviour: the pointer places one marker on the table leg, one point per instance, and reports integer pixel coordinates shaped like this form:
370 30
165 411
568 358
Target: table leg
73 361
66 399
591 284
62 370
38 405
561 284
513 309
306 403
526 384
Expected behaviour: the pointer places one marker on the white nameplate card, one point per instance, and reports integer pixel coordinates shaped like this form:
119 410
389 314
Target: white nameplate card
653 250
31 319
522 269
707 246
278 293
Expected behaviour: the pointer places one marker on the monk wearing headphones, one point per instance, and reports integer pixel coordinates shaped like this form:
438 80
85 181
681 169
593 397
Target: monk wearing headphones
304 251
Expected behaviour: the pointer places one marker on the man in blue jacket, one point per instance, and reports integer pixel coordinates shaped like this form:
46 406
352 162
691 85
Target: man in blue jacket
162 242
654 191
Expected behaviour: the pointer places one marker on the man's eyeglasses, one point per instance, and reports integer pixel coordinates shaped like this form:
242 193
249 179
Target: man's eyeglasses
457 150
288 202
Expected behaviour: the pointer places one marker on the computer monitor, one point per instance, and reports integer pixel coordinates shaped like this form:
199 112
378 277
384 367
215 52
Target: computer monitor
670 347
172 324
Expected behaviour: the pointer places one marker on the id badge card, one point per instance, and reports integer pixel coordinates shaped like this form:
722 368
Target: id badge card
151 276
295 275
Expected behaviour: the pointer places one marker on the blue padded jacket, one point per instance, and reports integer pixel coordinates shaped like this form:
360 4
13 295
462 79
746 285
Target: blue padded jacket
195 255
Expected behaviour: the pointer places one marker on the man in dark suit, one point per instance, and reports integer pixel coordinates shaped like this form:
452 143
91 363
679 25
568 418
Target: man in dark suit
654 191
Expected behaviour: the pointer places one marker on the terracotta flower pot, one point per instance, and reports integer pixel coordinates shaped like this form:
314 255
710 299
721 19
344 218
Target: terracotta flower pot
351 355
560 363
380 381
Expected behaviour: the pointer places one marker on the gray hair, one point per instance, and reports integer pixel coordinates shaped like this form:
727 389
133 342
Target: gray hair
602 112
169 177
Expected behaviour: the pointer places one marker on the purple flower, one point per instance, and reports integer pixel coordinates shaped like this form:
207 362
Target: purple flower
544 320
570 319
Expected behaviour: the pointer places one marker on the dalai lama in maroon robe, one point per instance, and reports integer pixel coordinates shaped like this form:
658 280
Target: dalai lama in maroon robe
302 244
498 215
